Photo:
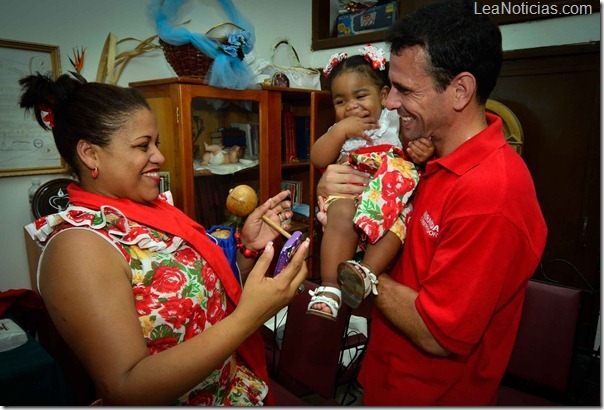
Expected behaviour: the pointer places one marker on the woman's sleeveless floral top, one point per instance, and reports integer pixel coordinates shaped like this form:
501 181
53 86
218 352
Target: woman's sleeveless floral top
177 296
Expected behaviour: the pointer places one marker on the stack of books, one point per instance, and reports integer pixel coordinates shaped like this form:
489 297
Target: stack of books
295 189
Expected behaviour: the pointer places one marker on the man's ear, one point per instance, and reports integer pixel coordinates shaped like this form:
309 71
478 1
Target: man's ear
383 95
464 88
87 153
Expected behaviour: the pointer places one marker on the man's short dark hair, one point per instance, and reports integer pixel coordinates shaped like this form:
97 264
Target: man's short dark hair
456 39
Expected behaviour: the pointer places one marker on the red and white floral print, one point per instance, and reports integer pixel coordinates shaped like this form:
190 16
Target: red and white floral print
176 295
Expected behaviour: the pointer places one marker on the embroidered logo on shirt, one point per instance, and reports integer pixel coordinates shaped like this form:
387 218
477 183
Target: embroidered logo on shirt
429 225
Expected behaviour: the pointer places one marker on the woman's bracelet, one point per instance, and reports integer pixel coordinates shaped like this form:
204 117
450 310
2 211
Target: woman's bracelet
248 253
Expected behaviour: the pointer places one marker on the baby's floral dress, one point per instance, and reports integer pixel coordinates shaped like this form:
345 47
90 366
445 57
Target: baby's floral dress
177 296
385 204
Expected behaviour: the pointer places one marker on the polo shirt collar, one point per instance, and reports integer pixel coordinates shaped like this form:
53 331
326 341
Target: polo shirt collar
472 152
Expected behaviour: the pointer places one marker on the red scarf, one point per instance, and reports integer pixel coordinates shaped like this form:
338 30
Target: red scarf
164 217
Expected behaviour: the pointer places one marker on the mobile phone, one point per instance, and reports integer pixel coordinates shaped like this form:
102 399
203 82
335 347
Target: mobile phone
287 252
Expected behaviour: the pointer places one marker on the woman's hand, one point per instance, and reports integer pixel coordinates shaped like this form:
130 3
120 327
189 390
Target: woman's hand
263 296
256 233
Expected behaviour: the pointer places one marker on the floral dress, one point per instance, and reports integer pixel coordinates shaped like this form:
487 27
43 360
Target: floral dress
385 204
177 296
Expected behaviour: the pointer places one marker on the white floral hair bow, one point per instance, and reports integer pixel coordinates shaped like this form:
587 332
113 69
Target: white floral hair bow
334 60
375 56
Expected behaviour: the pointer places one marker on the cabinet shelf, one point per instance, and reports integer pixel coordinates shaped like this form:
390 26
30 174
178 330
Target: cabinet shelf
303 164
208 173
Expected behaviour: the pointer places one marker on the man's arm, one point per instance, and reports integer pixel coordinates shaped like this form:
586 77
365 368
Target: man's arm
395 301
397 304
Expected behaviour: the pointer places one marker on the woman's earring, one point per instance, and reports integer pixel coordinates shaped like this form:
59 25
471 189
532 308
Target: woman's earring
94 173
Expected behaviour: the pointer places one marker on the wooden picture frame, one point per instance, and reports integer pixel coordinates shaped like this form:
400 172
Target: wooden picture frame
25 147
323 38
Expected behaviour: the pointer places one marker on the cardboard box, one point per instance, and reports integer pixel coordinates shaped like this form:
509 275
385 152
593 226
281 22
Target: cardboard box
372 19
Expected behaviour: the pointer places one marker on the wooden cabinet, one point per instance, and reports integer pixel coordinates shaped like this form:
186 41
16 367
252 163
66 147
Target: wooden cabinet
187 113
319 107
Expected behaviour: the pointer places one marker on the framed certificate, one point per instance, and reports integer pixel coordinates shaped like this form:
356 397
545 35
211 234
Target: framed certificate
25 147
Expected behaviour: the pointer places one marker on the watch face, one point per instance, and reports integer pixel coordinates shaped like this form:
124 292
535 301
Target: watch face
51 197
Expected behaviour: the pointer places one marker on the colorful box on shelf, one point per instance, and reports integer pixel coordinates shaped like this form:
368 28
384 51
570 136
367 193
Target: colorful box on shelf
372 19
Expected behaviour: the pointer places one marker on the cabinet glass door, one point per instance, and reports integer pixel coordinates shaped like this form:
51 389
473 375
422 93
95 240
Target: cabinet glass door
226 153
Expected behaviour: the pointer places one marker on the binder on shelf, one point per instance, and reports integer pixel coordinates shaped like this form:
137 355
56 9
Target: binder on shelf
303 137
289 137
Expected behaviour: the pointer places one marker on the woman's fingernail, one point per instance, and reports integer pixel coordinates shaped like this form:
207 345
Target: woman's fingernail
269 245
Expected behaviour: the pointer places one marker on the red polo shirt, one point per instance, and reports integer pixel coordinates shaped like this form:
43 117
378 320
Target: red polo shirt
475 238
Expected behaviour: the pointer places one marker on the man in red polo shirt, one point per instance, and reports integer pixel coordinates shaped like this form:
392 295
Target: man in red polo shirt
447 313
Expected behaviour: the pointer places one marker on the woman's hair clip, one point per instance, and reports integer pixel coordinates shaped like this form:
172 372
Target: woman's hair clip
334 60
375 56
49 117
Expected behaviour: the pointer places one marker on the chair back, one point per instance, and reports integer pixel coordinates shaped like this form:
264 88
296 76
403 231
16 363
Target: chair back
310 353
543 350
544 345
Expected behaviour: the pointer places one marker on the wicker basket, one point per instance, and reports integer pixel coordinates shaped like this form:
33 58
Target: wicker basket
188 61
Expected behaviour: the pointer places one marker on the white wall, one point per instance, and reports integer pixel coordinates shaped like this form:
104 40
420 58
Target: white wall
70 23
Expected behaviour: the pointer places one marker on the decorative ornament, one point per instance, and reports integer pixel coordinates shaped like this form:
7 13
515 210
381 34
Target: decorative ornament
375 56
112 63
334 60
49 117
228 69
236 43
78 59
279 79
242 200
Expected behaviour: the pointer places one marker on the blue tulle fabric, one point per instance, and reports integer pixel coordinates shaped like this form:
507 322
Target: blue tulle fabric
228 69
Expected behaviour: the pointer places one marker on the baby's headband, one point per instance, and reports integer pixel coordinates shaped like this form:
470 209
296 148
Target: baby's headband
372 54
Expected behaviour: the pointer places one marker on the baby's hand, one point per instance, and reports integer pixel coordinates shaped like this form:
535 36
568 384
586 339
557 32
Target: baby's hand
420 150
355 126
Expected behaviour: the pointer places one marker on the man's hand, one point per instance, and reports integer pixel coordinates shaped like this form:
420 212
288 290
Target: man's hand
342 180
